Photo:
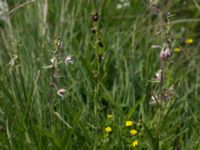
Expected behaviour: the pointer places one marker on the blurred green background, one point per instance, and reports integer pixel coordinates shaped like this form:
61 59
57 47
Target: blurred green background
111 74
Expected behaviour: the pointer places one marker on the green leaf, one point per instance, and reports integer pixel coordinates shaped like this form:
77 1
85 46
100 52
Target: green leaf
153 142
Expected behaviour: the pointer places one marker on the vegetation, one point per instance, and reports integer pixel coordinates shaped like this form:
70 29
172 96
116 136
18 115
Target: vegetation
86 74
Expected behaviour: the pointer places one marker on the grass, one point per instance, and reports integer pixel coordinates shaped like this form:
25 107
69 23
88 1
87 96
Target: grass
114 78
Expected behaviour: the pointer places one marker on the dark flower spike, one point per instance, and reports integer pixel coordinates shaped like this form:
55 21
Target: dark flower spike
95 17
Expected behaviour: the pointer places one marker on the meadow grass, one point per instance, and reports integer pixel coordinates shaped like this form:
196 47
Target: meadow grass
108 85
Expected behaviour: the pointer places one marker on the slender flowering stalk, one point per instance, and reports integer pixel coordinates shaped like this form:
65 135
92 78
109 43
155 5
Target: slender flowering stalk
55 60
164 55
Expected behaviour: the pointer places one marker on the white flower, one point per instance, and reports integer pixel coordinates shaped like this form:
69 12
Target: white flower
119 6
53 60
158 75
61 92
123 4
69 59
126 4
14 60
154 100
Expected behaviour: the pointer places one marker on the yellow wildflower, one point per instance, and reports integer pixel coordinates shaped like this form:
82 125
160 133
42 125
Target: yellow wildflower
189 41
133 132
108 129
109 116
129 123
135 143
177 49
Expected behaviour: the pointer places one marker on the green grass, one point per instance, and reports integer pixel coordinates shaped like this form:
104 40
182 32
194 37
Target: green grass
113 79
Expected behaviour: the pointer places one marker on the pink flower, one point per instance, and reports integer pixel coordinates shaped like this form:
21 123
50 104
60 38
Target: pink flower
165 53
158 75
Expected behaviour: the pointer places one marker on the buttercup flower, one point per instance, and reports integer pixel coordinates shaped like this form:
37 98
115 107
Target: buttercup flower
133 132
108 129
177 49
129 123
189 41
135 143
